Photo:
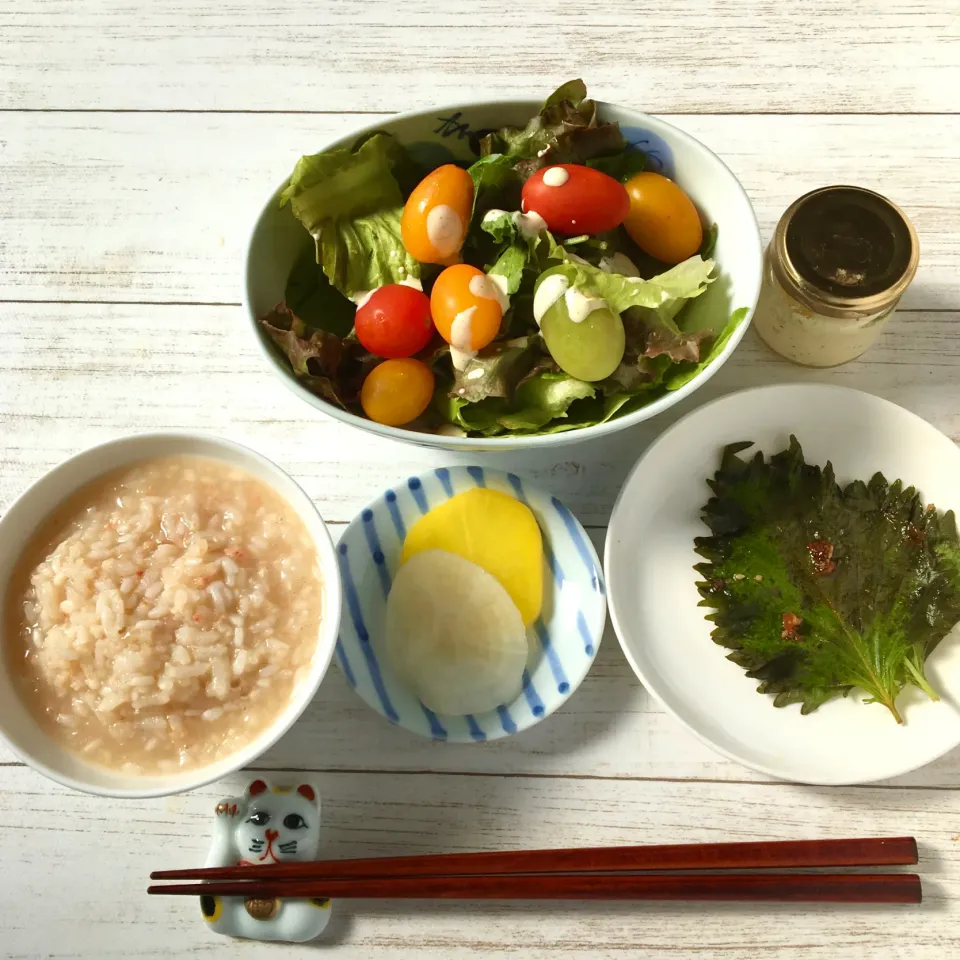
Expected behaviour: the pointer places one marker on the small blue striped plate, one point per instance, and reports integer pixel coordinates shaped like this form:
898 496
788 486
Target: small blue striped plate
563 641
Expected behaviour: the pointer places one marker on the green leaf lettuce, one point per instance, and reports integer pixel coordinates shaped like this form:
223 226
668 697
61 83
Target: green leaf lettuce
350 202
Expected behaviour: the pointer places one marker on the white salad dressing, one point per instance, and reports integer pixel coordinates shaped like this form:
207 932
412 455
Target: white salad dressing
555 176
500 282
529 224
460 359
580 306
551 289
461 333
362 296
619 263
444 229
491 287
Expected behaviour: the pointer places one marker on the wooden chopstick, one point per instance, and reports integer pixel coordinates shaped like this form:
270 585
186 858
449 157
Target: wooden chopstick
865 852
800 887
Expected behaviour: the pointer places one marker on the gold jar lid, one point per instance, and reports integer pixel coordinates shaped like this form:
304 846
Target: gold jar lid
844 252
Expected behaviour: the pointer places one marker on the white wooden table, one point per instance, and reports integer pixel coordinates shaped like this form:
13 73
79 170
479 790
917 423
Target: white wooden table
136 142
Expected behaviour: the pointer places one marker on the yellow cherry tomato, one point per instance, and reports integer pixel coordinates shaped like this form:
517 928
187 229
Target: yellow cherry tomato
662 220
467 307
397 391
437 214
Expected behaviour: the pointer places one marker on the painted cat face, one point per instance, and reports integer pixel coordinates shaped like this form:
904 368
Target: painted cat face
278 825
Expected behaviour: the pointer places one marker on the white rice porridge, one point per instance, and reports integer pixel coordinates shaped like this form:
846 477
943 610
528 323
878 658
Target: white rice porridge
162 617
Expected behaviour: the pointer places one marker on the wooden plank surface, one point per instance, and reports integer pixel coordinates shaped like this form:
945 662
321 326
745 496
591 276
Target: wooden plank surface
76 374
373 814
137 143
694 56
133 207
204 363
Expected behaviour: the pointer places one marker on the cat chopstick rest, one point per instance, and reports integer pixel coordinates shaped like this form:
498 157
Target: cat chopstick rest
266 825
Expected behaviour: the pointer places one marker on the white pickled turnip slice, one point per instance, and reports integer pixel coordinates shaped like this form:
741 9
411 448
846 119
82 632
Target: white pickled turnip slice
453 635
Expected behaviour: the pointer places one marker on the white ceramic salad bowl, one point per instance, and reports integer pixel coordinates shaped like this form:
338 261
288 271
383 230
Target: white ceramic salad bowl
449 134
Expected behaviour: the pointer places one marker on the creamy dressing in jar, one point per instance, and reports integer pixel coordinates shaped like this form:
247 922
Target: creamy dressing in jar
840 259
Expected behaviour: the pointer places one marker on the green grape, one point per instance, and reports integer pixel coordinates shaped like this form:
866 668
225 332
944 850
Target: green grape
590 350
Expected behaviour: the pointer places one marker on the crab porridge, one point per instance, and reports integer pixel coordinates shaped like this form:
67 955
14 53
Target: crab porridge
163 616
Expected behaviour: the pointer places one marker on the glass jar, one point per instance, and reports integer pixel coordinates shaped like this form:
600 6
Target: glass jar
839 261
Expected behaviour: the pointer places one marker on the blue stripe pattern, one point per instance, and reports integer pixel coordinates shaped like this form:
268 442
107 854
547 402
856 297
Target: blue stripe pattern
376 554
585 633
563 640
415 487
536 704
506 721
443 475
475 732
478 477
437 729
555 666
394 512
576 535
353 605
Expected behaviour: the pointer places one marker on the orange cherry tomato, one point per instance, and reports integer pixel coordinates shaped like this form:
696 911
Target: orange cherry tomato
467 307
662 220
575 199
397 391
437 214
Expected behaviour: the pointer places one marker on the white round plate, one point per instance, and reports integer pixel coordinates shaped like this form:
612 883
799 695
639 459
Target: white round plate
653 598
563 642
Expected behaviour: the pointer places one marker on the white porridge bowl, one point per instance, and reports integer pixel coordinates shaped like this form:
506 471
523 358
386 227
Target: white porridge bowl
24 735
445 135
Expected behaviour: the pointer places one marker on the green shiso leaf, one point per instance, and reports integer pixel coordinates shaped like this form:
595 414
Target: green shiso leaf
817 589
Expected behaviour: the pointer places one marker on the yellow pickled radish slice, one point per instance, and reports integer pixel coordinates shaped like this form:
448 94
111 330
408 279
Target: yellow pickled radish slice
494 531
454 637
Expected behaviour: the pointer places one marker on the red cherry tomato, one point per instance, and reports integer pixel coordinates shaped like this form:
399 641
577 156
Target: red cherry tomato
395 321
575 199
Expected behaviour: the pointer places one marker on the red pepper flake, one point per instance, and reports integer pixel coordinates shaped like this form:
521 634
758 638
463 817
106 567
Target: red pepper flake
139 573
196 618
717 585
915 535
791 623
821 554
